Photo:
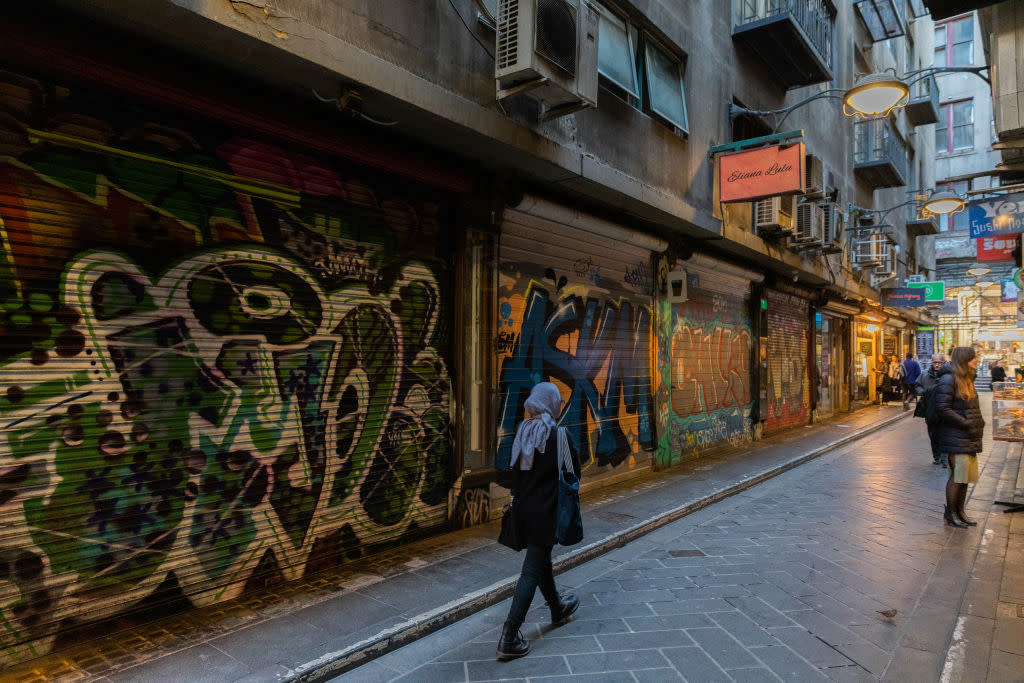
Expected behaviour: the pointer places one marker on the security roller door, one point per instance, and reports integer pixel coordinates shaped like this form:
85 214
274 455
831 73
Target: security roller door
575 308
789 396
707 342
219 365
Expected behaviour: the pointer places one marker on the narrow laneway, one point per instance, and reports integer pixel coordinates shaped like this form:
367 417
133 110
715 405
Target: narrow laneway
788 580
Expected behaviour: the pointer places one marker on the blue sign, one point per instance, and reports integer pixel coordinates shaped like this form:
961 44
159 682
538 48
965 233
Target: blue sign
1002 215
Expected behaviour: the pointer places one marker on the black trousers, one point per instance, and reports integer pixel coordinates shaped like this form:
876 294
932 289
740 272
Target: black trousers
933 437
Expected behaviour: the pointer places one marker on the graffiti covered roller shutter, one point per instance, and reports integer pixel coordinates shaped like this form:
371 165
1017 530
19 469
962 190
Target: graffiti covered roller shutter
219 367
789 395
706 376
574 308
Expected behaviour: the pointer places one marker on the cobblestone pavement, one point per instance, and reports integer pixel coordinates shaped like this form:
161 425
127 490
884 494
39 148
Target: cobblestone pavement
787 580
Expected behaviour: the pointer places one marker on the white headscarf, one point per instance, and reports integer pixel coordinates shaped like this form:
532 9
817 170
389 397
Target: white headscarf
544 404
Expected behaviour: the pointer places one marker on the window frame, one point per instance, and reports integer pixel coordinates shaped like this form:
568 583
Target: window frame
947 109
949 45
607 14
649 42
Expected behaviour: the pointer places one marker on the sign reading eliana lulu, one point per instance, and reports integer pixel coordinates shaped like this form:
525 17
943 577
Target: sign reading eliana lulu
763 172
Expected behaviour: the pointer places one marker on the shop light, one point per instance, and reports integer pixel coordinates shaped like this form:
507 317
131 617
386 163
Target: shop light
876 94
978 271
984 283
871 328
944 202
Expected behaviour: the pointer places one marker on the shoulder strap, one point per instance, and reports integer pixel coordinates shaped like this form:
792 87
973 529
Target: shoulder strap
564 459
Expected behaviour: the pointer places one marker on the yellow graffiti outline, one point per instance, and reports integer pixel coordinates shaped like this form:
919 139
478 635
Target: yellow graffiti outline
5 244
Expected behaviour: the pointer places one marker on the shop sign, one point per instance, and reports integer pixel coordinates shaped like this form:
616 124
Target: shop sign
904 296
987 334
949 307
933 291
1003 215
759 173
925 344
996 248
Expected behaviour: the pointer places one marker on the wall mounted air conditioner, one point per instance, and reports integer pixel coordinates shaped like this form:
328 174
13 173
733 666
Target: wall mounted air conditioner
773 217
868 250
834 228
547 50
814 182
810 225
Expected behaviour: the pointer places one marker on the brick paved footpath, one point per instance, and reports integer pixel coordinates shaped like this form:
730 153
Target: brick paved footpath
785 581
310 628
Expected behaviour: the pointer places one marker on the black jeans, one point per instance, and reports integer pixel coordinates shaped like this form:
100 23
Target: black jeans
933 437
536 574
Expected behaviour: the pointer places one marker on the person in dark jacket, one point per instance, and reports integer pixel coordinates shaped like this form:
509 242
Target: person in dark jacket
535 497
960 429
999 372
925 381
911 371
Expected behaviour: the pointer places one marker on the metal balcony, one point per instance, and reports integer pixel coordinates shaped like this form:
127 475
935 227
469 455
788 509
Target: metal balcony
923 107
880 154
793 38
883 18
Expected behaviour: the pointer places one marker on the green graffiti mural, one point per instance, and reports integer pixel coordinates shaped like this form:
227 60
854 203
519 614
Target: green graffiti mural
201 377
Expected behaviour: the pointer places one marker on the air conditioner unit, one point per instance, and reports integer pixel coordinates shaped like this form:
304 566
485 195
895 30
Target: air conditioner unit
773 217
834 228
547 49
868 250
810 224
814 182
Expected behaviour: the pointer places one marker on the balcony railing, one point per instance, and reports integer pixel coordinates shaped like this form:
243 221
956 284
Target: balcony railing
793 38
880 154
923 107
883 18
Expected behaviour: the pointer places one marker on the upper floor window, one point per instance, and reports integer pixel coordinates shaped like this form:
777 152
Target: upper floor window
954 42
615 55
666 97
648 77
956 221
955 129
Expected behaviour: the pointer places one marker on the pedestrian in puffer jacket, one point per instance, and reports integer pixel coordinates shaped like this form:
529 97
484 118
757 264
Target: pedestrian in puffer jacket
960 429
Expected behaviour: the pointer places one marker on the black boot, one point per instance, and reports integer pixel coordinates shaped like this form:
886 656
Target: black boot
512 644
951 519
961 500
563 609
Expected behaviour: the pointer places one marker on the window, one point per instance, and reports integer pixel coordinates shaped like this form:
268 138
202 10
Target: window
954 42
955 128
641 71
956 221
615 55
664 80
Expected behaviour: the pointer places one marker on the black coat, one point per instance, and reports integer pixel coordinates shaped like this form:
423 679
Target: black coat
961 426
998 374
535 493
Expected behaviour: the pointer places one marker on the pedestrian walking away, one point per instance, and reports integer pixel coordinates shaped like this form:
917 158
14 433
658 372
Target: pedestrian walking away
960 429
911 370
535 463
998 372
925 389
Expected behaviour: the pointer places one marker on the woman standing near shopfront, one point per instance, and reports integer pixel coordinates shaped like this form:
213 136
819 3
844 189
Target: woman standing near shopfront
960 429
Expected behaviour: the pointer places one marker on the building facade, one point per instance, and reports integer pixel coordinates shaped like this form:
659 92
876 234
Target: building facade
279 275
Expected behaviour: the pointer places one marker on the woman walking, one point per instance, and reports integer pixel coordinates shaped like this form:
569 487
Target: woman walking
960 429
535 493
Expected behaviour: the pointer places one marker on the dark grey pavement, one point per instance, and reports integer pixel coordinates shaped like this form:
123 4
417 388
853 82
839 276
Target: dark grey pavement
784 581
310 628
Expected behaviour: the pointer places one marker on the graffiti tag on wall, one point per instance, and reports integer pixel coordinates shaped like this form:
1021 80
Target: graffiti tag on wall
177 398
788 382
594 346
704 396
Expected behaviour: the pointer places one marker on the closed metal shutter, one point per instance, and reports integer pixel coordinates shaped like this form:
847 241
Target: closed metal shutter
219 365
575 308
708 344
789 395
